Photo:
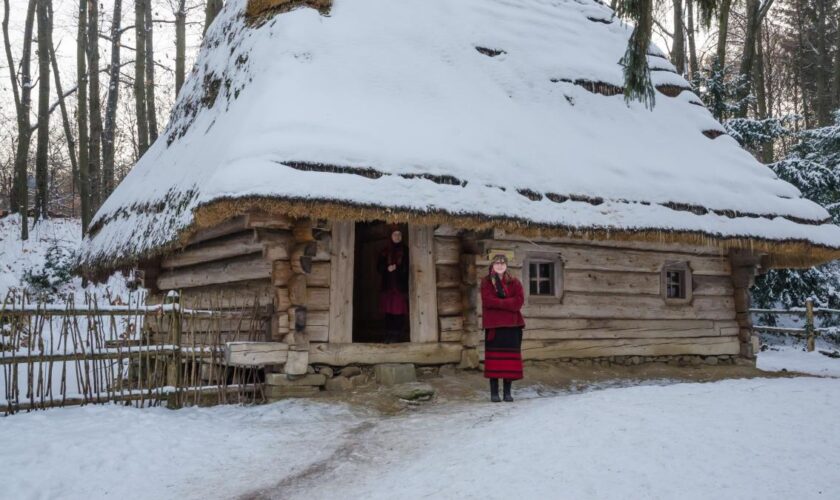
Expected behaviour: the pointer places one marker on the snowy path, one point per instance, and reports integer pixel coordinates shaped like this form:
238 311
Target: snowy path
746 438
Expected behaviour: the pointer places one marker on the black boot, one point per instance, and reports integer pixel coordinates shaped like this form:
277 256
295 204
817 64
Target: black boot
508 397
494 390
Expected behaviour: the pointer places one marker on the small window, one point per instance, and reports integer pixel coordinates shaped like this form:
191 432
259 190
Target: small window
676 283
543 277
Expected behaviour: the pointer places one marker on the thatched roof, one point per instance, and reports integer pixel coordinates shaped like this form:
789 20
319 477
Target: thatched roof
473 112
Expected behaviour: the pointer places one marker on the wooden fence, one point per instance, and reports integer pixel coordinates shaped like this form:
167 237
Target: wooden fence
809 331
97 352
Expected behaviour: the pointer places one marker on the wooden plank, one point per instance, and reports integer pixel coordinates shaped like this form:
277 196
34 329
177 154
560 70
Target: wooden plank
577 257
447 250
427 353
317 333
230 226
564 328
449 301
422 284
583 305
451 336
447 230
239 269
212 250
448 276
451 323
239 295
704 346
342 258
256 353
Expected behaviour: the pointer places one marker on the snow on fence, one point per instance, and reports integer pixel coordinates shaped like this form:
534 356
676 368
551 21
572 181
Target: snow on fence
809 332
97 352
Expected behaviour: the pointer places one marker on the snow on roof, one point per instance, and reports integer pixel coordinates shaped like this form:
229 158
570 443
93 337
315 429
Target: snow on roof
505 110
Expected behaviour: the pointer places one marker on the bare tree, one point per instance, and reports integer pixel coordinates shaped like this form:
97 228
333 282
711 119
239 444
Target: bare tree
24 127
150 74
109 132
82 112
41 174
181 44
678 50
210 12
756 10
723 30
140 76
693 66
95 144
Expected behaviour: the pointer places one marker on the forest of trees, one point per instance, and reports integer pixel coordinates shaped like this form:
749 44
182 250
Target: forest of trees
73 122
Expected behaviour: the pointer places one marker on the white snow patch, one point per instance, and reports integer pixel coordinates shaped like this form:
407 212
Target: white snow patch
797 359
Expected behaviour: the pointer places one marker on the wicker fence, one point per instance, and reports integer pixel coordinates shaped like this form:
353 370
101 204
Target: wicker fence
97 352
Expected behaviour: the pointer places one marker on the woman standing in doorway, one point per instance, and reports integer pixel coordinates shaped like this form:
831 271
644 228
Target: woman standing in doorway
502 297
393 295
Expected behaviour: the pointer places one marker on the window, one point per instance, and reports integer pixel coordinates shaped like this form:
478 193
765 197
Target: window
676 283
543 277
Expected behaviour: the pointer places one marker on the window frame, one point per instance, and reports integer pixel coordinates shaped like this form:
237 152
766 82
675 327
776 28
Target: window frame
681 266
543 258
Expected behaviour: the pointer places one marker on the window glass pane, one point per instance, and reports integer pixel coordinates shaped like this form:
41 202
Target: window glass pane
675 284
532 270
545 287
545 270
533 287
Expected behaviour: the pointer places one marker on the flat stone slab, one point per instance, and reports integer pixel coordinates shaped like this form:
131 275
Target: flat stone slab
395 373
275 392
413 391
281 379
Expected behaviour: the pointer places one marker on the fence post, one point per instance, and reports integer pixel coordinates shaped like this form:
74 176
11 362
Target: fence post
177 355
809 324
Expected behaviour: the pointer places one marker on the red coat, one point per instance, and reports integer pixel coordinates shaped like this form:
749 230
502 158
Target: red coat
498 313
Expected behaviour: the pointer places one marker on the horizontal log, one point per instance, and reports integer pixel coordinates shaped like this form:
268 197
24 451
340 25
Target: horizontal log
256 353
637 283
559 329
588 258
277 245
451 336
447 230
264 220
425 353
317 333
227 227
581 305
225 271
240 295
319 276
502 235
449 301
224 248
447 250
448 276
451 323
702 346
243 325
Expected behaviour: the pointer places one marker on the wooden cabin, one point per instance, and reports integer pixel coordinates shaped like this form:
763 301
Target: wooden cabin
480 126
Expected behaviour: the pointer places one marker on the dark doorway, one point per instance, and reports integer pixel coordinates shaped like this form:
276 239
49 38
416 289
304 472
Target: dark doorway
369 322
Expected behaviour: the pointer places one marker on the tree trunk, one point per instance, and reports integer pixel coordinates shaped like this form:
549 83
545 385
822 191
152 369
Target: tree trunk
822 102
150 74
24 127
109 131
181 45
41 173
747 57
693 66
68 128
10 62
723 29
210 12
678 51
761 93
95 144
835 87
140 77
82 111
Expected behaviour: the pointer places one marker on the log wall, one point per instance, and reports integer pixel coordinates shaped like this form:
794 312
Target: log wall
611 303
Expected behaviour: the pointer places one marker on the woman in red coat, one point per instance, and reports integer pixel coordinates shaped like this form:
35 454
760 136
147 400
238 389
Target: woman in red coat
502 297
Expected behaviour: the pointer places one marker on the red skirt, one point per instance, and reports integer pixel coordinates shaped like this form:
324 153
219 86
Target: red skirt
393 301
502 353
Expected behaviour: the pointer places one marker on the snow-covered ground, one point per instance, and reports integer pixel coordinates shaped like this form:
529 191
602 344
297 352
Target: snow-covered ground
745 438
795 358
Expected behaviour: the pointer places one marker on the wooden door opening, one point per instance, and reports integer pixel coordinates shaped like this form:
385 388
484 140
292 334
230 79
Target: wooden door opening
369 322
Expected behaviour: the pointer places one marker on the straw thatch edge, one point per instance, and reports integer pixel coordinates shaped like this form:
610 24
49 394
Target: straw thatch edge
789 253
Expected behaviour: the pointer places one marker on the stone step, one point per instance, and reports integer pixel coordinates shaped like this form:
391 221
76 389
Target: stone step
395 373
